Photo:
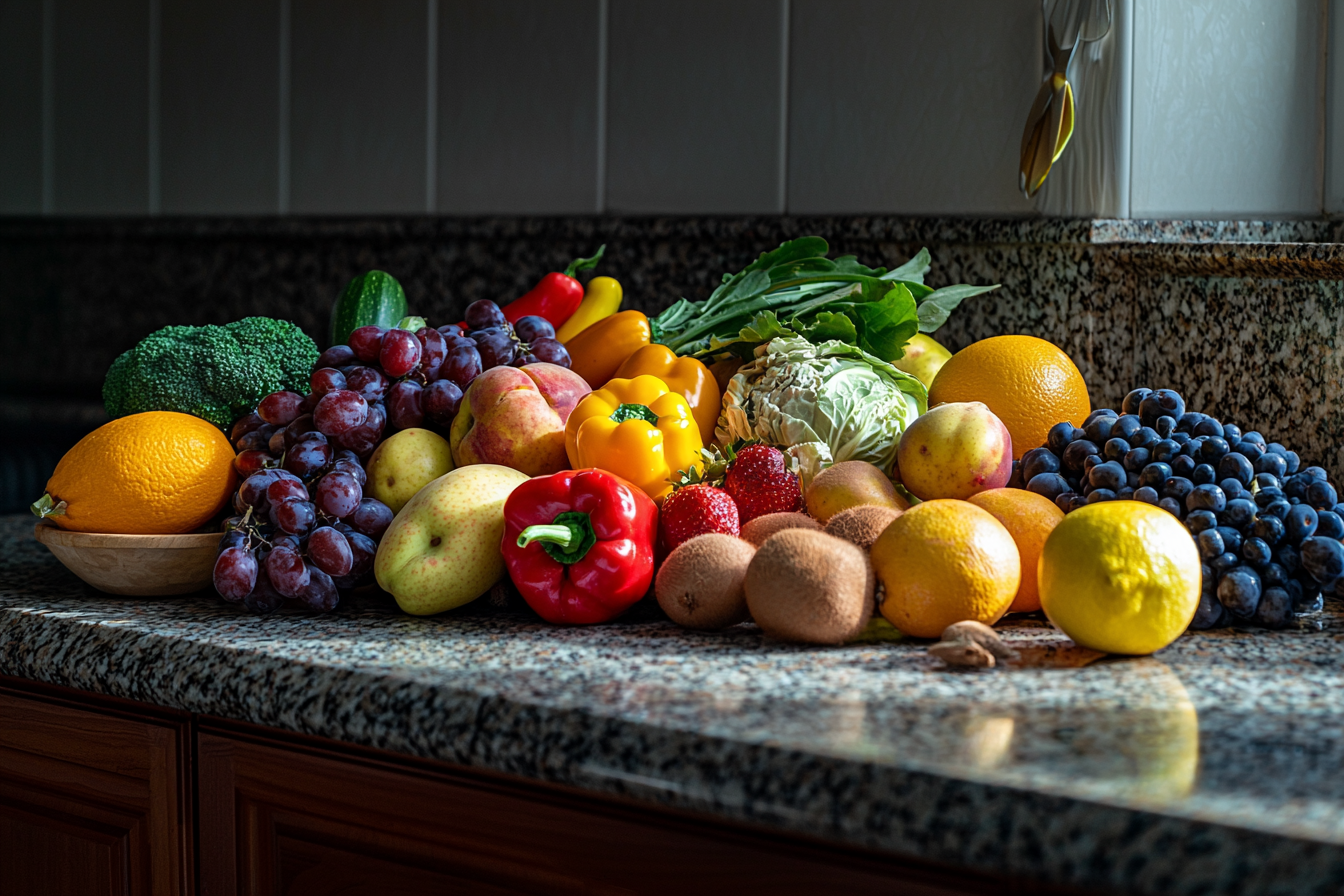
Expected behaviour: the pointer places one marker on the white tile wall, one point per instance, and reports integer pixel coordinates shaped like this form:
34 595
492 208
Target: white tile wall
694 104
910 106
518 106
357 97
101 122
129 107
20 107
220 106
1227 108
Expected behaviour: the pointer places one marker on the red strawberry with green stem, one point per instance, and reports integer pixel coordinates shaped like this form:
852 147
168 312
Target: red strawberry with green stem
760 482
695 510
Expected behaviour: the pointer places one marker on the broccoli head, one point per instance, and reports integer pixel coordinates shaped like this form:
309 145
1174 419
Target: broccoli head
218 373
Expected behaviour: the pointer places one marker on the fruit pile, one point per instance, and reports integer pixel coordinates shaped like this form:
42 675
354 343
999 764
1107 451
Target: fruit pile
792 449
1268 531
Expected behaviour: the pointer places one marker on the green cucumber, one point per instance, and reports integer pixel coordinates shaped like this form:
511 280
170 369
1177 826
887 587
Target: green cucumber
372 299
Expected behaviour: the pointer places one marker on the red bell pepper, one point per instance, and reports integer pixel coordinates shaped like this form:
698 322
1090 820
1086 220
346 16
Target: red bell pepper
579 544
556 297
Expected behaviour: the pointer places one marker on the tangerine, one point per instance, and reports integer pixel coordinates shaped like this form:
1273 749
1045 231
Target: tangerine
1030 384
945 561
156 473
1029 518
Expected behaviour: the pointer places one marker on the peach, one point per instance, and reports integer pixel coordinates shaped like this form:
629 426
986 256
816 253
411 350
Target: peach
954 451
516 416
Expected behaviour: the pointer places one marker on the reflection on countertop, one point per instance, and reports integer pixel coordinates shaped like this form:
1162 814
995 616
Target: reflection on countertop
1213 766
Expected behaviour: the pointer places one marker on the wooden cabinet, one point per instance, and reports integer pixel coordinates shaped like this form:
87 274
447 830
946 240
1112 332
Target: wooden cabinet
96 796
91 802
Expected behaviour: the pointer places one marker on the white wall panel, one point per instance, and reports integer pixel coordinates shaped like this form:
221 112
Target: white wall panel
220 106
1227 108
101 152
359 79
694 105
517 106
910 107
20 107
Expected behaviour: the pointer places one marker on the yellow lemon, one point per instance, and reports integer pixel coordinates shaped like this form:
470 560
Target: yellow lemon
1120 576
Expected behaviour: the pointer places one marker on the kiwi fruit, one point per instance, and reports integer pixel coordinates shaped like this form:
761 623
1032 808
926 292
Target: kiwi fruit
762 527
804 585
700 583
861 525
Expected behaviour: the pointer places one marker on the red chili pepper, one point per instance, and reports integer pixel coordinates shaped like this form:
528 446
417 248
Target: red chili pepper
556 297
579 544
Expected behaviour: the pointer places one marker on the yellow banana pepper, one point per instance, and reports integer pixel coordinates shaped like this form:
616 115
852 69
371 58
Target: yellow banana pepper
638 429
601 299
685 376
597 352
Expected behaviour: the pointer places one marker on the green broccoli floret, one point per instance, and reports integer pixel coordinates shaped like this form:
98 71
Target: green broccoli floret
217 373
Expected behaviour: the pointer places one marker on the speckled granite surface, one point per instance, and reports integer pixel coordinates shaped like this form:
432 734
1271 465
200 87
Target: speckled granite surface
1214 767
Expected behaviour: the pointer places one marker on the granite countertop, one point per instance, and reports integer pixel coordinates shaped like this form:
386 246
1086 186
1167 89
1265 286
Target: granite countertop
1214 766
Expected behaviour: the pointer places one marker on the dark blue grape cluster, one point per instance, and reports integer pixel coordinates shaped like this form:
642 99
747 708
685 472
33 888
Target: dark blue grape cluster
1268 530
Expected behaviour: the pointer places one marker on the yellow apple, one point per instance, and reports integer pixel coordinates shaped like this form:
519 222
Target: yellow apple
442 550
404 464
923 358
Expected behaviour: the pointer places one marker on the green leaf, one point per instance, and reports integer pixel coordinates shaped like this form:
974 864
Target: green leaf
937 305
886 326
828 325
913 270
763 327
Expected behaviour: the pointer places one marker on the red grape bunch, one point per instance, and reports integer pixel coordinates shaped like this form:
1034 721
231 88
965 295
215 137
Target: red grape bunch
300 541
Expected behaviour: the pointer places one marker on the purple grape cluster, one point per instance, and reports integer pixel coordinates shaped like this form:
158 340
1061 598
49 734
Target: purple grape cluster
306 541
1268 529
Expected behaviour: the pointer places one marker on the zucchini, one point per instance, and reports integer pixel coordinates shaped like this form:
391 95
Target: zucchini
371 299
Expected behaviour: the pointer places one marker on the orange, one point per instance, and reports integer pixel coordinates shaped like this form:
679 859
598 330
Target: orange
1028 383
945 561
1029 518
157 473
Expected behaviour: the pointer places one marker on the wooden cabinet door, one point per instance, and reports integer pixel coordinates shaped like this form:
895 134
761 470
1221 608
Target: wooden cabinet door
276 819
90 802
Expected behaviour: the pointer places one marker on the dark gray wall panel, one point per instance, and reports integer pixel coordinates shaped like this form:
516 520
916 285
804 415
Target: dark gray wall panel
20 107
910 106
359 76
694 106
517 106
101 107
220 119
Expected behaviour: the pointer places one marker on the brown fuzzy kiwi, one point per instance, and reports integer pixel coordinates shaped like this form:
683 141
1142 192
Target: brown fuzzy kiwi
805 585
758 530
861 525
699 585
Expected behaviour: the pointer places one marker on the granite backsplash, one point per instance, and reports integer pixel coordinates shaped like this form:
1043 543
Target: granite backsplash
1243 317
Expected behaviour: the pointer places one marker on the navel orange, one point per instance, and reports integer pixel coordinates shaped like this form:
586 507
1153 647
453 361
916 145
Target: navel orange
1029 384
156 473
1029 518
945 561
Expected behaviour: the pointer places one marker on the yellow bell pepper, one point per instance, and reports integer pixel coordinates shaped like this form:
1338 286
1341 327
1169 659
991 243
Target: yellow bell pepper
601 299
638 429
597 352
685 376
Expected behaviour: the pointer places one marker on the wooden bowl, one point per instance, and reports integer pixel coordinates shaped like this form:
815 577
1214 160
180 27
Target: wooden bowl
136 565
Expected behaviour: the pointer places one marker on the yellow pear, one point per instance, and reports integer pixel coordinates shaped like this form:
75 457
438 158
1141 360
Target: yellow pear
442 550
924 357
406 463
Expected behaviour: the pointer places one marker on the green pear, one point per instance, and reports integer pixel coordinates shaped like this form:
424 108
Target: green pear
442 550
406 463
924 357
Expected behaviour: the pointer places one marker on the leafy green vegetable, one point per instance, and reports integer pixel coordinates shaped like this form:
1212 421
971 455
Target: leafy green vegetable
796 290
823 403
217 373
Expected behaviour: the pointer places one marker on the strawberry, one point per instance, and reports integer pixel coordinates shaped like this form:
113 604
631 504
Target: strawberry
695 510
760 482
